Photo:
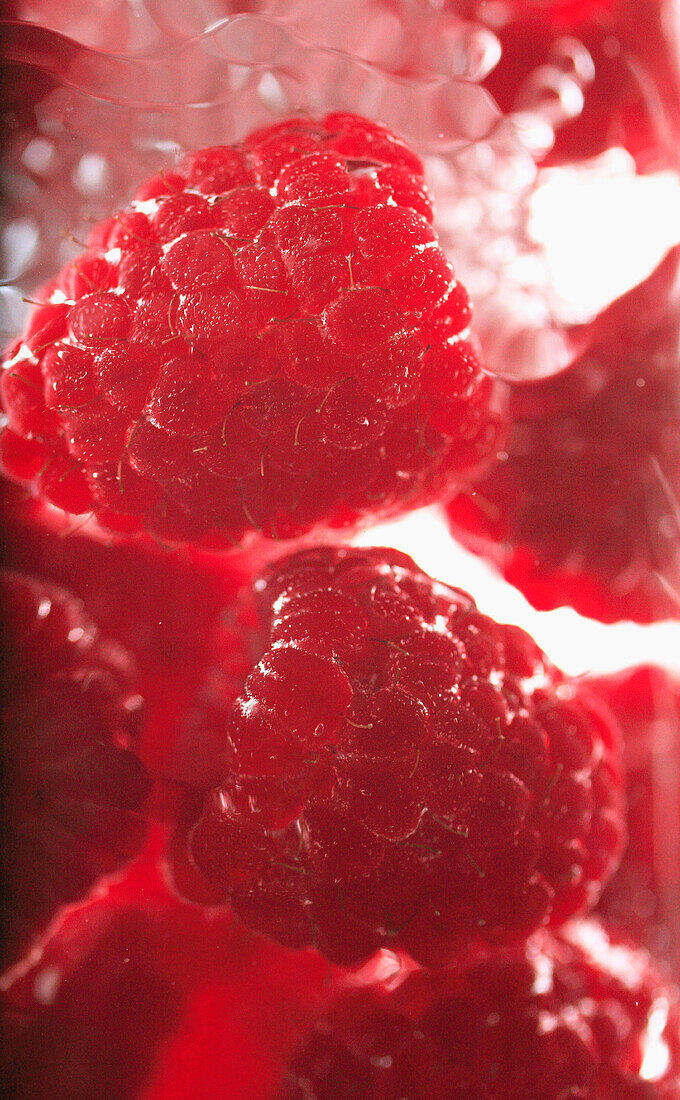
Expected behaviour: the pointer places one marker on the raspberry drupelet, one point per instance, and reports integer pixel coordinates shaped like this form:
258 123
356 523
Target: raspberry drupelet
576 1015
74 790
583 507
402 771
267 339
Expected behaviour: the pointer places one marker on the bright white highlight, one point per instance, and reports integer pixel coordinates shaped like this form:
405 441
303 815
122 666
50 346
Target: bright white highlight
576 644
603 229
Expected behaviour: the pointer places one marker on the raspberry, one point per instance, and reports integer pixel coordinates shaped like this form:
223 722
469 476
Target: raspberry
251 346
172 600
153 998
642 897
74 790
573 1016
191 634
403 771
180 618
583 507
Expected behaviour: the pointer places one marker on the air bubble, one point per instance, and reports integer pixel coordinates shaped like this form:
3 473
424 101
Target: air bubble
39 156
19 242
91 173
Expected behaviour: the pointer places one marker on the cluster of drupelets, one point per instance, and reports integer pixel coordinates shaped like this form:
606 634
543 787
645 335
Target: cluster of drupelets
331 832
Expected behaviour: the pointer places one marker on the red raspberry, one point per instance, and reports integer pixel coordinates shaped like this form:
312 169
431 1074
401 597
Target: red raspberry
162 604
583 507
74 790
404 771
154 997
178 616
643 895
574 1016
267 339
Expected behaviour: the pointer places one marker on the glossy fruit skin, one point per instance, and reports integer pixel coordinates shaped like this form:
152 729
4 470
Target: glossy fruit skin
74 790
566 1016
642 896
402 771
582 509
266 340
